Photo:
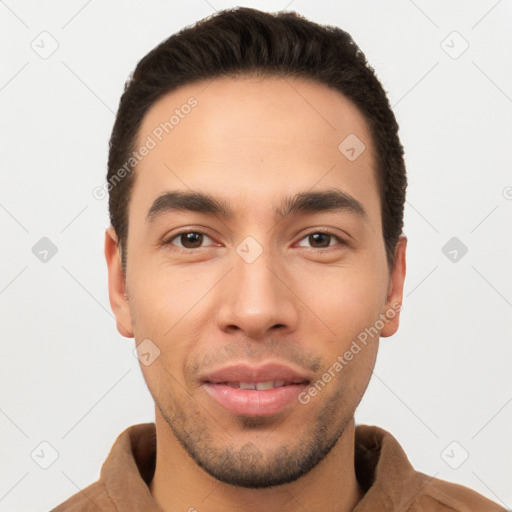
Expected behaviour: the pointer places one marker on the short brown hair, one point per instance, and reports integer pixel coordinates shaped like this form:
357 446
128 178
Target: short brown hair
245 41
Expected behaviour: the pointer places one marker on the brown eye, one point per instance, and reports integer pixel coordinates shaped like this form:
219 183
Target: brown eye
320 240
188 240
191 240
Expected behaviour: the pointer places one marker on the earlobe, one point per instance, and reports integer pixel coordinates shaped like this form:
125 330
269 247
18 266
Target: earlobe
395 290
117 284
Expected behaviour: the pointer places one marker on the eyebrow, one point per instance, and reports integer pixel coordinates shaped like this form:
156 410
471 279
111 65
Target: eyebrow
333 200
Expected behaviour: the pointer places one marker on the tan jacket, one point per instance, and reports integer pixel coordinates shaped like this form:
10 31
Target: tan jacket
382 469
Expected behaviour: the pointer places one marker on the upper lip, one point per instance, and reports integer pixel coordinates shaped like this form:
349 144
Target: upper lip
244 372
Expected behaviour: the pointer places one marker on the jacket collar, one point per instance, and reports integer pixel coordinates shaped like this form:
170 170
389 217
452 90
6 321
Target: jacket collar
382 468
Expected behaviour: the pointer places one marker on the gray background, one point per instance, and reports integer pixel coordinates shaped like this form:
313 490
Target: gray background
441 384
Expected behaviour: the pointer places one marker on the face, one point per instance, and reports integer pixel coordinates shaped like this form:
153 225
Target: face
258 289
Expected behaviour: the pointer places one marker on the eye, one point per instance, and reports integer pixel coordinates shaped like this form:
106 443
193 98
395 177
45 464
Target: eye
321 240
188 240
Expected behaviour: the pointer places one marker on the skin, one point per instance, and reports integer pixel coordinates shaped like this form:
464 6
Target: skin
254 142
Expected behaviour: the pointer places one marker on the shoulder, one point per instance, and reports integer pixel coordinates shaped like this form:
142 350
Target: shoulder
93 498
387 477
441 496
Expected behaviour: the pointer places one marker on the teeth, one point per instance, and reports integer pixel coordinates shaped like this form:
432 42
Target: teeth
265 385
260 386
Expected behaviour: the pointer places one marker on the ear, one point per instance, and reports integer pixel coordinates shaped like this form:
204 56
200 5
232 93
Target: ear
117 284
395 290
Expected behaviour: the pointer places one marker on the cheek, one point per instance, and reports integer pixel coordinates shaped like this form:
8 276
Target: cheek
168 308
348 304
345 300
164 298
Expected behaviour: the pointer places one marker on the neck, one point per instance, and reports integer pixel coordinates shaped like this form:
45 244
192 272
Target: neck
180 484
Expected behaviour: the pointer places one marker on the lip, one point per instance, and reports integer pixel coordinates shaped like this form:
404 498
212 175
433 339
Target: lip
255 402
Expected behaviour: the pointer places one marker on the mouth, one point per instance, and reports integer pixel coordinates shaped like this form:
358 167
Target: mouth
262 386
250 391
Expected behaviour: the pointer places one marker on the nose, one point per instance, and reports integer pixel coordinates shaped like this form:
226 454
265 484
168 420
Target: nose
257 298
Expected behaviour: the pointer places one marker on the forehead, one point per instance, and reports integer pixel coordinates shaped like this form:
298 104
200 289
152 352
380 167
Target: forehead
255 140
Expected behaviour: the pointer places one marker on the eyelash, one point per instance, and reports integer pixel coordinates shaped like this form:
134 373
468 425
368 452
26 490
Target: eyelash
168 243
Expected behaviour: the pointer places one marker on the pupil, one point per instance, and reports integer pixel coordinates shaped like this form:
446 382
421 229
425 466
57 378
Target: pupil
191 238
315 237
195 239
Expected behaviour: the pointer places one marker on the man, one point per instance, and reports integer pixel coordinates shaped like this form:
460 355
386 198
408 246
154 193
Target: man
256 255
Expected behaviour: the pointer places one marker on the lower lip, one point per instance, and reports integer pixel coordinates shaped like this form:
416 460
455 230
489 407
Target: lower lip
253 402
